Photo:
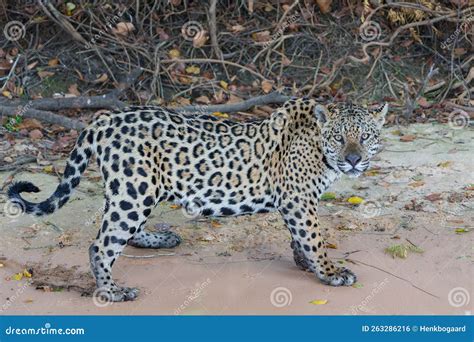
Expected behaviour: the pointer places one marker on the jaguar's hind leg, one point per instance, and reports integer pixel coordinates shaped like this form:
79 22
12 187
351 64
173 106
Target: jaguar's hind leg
144 239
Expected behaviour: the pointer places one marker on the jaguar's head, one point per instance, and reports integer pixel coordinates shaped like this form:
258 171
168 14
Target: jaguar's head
350 135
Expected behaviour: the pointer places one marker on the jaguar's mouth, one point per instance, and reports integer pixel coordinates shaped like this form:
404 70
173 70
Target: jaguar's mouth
353 173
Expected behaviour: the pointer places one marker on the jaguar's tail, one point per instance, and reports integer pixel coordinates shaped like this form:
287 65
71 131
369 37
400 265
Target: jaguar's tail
76 164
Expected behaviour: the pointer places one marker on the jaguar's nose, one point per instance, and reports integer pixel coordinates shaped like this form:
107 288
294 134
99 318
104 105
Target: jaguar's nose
353 159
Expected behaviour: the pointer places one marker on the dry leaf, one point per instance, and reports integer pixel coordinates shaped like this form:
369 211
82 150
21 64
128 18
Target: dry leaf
355 200
35 134
73 90
445 164
324 5
215 224
53 62
237 28
408 138
195 70
200 39
202 99
371 173
175 206
44 74
423 102
331 245
30 124
433 197
263 36
48 169
174 53
221 115
459 51
224 85
17 276
123 28
267 86
31 65
101 79
416 184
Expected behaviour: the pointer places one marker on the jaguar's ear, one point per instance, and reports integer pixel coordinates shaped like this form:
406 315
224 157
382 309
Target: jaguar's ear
379 114
321 113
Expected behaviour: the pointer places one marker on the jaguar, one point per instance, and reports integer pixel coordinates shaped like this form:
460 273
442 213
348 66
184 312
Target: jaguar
215 167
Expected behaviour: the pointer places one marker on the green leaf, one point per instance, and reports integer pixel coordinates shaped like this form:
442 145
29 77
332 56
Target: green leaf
327 196
461 230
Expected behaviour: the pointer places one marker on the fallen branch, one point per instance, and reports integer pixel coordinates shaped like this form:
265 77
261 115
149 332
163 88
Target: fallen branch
80 102
274 97
44 116
19 162
107 101
68 103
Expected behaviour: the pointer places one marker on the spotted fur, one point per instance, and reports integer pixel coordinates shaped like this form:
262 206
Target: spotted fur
215 167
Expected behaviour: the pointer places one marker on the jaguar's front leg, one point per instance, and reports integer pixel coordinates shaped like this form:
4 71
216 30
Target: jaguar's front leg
308 246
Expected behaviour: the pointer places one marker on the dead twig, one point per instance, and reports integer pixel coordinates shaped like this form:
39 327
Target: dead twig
59 19
147 256
390 41
274 97
20 161
208 60
393 275
411 103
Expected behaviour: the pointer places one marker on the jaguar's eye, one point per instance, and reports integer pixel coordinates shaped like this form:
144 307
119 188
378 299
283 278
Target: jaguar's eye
338 138
364 137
